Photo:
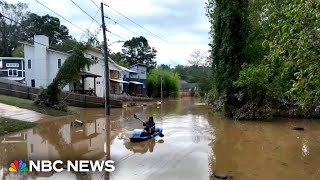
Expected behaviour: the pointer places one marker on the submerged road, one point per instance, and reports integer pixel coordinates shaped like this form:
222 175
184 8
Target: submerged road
197 142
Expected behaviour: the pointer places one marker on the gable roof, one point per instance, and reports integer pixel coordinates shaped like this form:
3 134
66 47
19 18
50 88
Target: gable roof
48 49
138 64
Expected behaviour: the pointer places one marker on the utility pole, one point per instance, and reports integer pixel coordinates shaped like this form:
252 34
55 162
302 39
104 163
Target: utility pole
161 87
106 64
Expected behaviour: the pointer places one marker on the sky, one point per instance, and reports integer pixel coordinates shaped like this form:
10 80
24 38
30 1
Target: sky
181 24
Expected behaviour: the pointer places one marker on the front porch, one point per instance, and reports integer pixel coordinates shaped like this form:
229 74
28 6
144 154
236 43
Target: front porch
79 86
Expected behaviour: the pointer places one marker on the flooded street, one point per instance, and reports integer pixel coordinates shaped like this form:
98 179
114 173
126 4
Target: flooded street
197 142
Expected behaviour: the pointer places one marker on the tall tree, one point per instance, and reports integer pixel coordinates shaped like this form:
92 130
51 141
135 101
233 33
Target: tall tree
117 57
46 25
138 50
229 19
10 31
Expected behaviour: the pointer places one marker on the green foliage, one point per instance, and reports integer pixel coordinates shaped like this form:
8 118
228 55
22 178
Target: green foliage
117 57
295 50
229 33
11 31
18 52
138 50
170 83
46 25
254 80
51 96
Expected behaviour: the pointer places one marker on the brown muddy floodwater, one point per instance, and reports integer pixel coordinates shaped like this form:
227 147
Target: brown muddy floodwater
197 142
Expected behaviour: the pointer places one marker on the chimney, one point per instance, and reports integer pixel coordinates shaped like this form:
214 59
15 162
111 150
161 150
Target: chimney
40 61
41 40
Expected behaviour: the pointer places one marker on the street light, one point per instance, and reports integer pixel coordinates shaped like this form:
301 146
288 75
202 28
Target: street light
119 41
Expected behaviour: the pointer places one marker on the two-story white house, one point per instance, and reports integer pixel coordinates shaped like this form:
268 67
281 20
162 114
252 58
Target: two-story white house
42 64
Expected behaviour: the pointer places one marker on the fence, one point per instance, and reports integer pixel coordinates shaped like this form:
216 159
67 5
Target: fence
78 100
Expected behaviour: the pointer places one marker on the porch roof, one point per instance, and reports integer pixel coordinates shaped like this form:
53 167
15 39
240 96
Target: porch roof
119 81
87 74
136 82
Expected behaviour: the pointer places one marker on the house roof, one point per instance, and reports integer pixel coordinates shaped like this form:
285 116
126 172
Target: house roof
87 74
12 58
138 64
49 49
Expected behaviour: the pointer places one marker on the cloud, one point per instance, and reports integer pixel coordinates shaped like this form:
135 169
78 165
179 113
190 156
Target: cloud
182 23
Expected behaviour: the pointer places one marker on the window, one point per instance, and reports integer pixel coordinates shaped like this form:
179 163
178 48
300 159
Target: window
95 58
59 63
31 148
29 63
33 83
12 64
12 72
92 57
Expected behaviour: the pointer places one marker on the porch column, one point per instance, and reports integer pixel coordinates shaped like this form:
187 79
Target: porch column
94 81
82 84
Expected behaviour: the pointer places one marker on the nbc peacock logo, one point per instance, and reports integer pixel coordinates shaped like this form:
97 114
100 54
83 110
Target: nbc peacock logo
18 166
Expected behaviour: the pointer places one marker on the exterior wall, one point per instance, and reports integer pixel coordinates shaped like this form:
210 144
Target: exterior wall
29 54
141 70
4 67
52 66
98 69
44 66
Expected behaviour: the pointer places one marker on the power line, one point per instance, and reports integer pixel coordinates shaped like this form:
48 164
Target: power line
85 12
135 23
1 15
91 23
121 25
111 20
116 35
64 18
95 4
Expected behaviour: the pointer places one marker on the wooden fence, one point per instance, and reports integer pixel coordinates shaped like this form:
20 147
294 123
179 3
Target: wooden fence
78 100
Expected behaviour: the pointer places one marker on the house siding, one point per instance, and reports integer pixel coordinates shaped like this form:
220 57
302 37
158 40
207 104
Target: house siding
16 65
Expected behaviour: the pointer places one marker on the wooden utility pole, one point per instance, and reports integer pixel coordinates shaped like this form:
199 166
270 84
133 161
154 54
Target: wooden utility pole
106 65
161 88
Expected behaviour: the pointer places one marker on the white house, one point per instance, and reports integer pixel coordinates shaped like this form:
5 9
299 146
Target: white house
43 63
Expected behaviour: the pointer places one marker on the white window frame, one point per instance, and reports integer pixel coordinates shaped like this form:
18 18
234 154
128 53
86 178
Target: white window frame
12 65
12 72
29 60
59 63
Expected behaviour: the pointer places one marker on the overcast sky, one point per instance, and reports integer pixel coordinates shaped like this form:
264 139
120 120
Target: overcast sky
182 23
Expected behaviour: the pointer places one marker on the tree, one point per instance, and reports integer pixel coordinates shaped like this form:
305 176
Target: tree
51 96
198 58
10 31
229 31
165 67
117 57
137 50
46 25
170 83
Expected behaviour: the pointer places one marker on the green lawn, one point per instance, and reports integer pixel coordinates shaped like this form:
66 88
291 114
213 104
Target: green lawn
28 104
11 125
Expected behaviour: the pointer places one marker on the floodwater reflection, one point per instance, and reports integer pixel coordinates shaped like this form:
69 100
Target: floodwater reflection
197 142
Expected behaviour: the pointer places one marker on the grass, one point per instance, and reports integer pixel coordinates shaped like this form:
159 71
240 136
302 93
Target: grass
28 104
11 125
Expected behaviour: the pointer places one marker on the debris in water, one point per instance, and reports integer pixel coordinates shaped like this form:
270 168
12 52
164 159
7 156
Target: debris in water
298 128
220 176
76 123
